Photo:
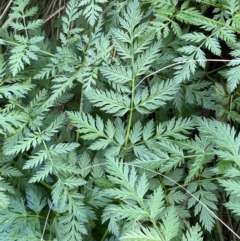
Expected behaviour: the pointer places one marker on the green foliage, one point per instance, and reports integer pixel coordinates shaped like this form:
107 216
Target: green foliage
123 124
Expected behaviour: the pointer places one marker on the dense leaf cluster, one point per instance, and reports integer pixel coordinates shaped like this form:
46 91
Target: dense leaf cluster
123 126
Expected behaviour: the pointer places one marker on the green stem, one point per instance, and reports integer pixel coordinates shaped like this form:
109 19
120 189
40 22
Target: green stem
128 132
130 119
48 154
6 24
132 97
40 51
25 24
157 229
80 111
219 231
104 235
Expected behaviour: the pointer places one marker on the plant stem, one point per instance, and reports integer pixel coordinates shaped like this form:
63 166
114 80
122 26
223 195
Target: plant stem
104 235
130 118
80 111
219 231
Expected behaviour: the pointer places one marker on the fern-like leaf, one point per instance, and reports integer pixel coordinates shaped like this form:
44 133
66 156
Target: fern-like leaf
108 101
146 101
170 224
193 234
144 234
